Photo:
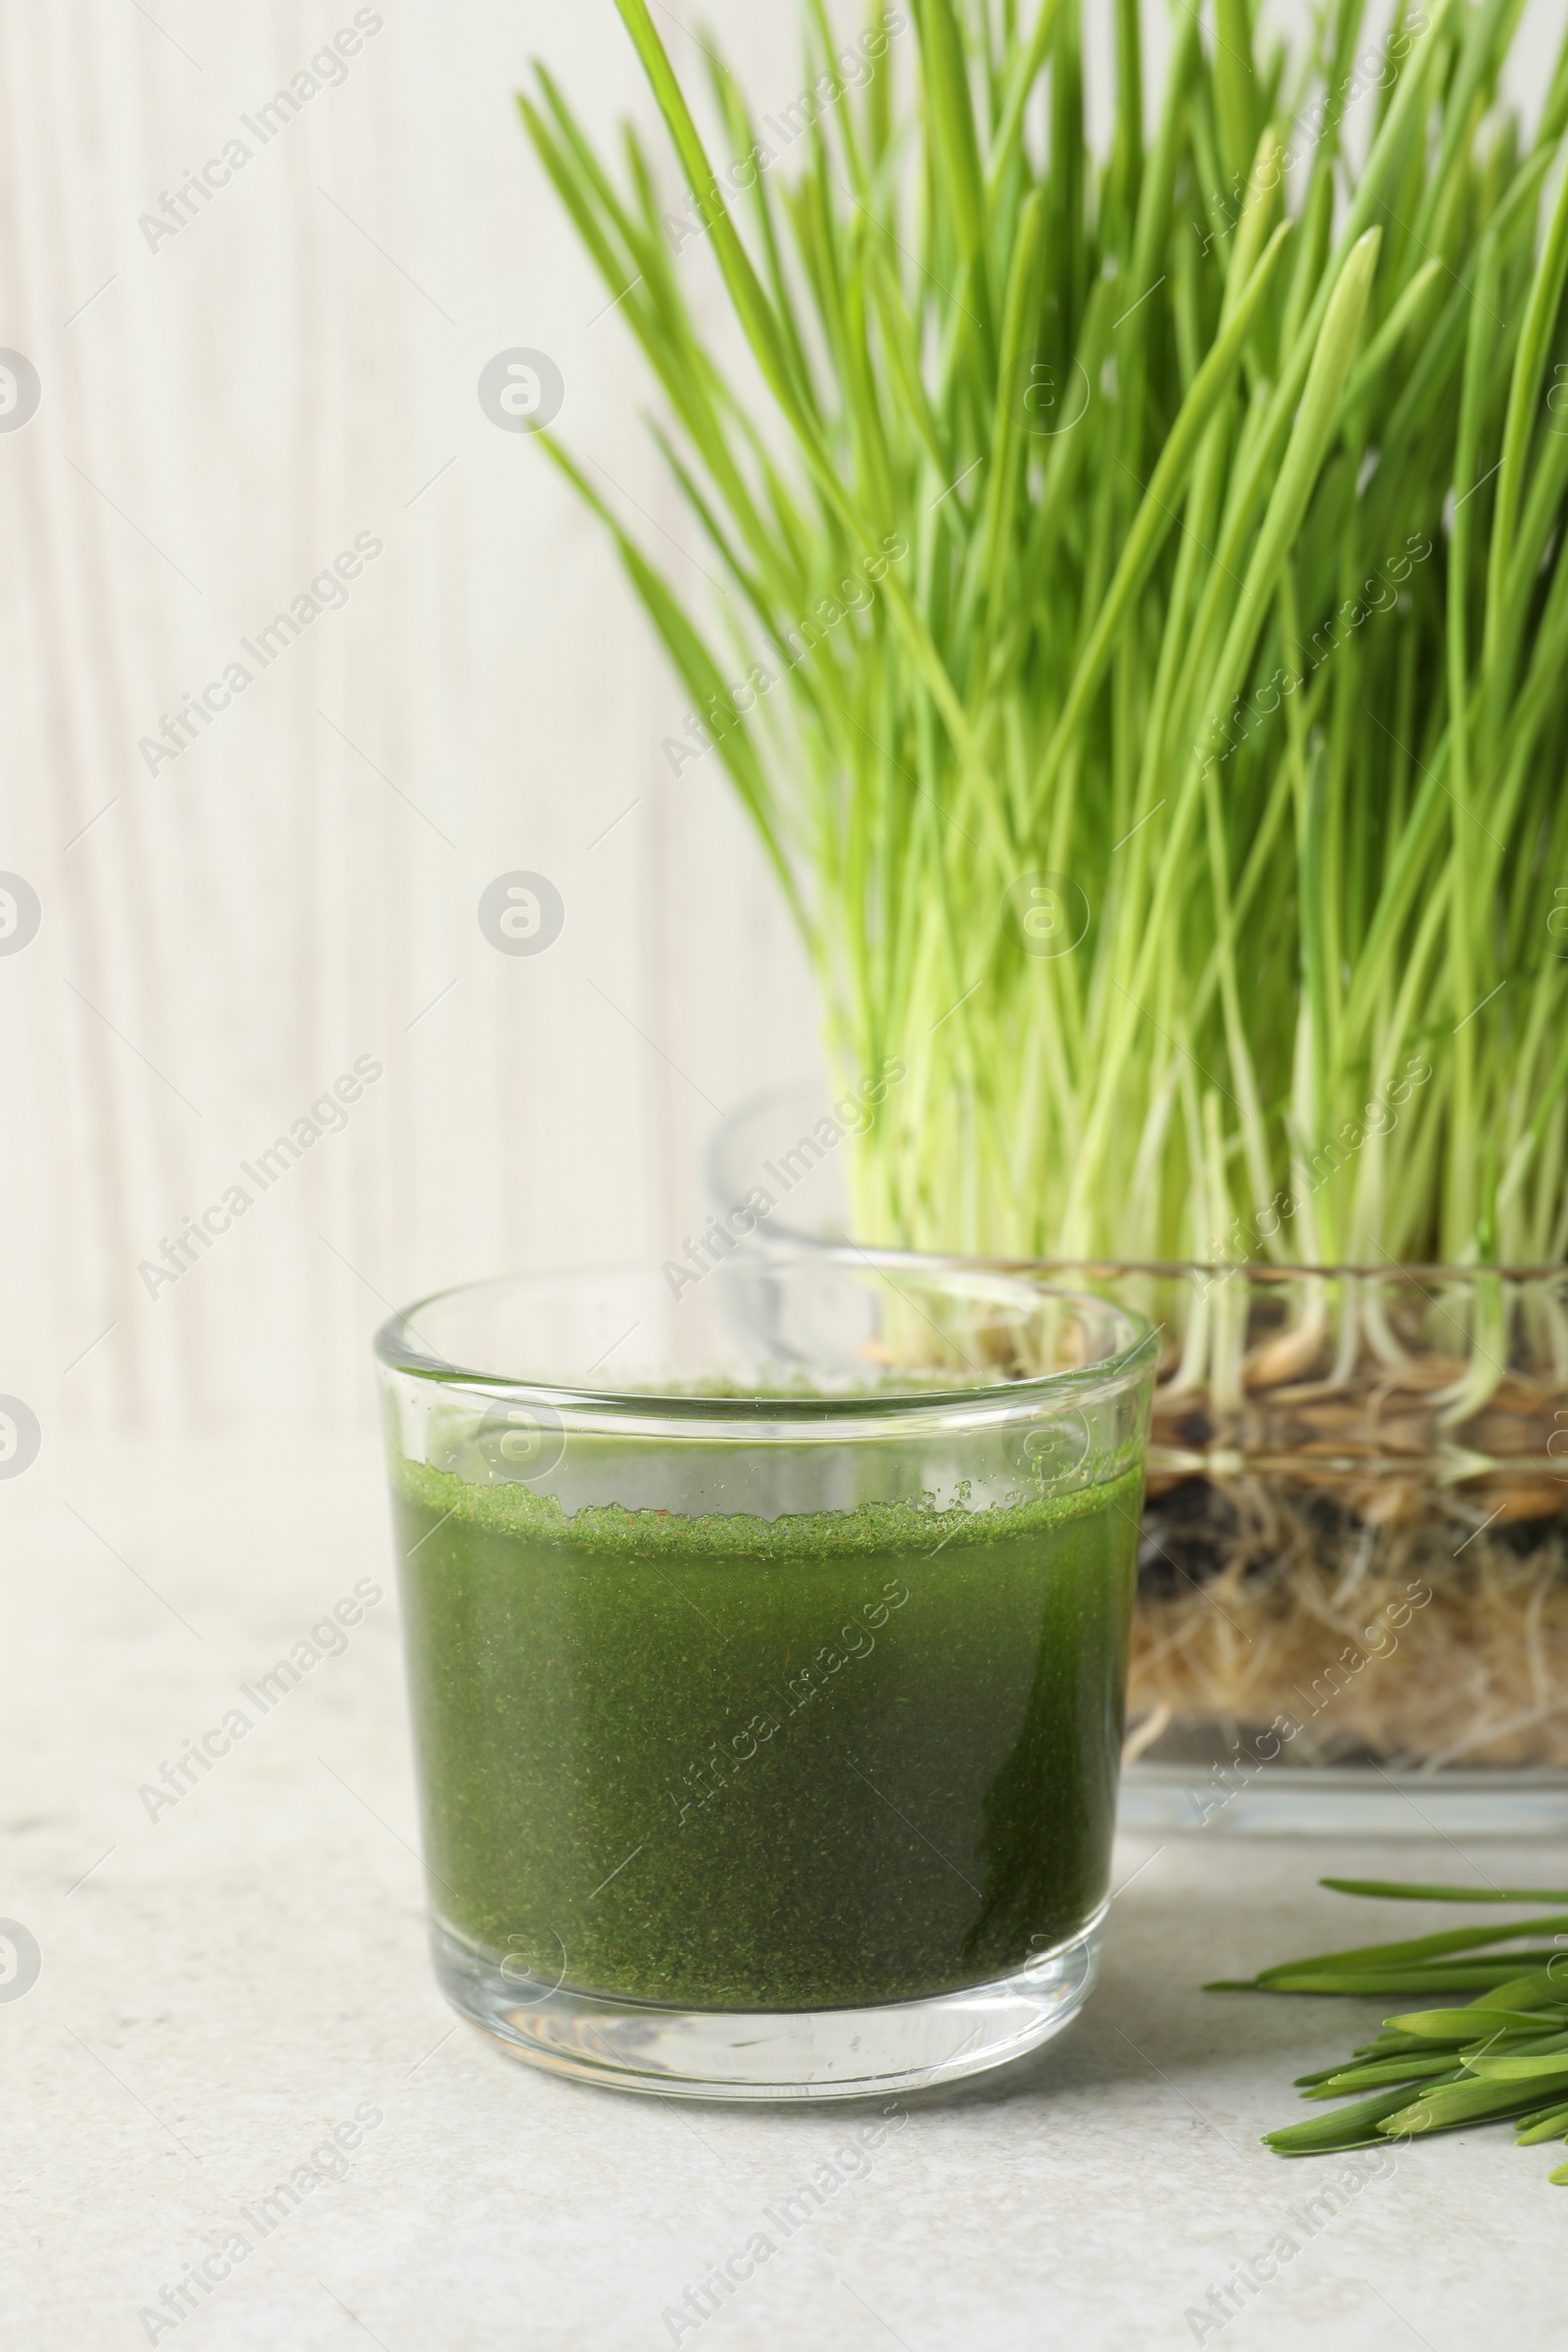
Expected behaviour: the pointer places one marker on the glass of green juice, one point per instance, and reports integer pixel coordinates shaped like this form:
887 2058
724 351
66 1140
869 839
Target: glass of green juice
766 1634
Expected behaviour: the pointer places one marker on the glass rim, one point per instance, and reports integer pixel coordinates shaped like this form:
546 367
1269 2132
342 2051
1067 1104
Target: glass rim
993 1399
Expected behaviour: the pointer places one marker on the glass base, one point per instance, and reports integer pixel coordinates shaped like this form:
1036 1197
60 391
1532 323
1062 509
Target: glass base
773 2054
1243 1800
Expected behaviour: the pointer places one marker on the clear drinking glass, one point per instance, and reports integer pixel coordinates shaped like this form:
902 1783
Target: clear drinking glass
766 1635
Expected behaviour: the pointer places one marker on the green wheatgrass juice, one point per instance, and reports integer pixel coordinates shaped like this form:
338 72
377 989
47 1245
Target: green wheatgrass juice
811 1762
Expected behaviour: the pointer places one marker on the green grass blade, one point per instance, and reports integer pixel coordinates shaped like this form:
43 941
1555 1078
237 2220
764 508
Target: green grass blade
1357 2127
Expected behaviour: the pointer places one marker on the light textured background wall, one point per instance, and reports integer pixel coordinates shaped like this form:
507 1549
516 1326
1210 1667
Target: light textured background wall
221 939
220 418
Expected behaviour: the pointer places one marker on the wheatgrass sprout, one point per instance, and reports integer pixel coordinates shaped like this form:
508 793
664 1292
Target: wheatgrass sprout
1150 677
1493 2046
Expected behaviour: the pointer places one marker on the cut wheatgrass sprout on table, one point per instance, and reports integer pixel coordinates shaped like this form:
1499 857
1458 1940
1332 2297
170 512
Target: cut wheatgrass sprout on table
1491 2046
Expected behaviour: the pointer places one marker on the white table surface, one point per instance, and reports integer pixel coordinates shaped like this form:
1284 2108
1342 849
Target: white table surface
229 1981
